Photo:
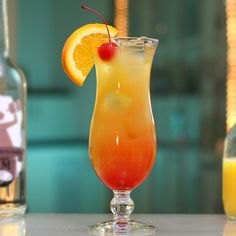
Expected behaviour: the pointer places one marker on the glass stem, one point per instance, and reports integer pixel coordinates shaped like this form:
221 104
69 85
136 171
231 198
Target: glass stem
122 205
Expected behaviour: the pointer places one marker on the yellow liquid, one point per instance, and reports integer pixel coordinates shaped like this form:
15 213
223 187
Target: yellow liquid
229 186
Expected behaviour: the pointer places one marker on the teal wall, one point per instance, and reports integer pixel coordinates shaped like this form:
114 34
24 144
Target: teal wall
61 179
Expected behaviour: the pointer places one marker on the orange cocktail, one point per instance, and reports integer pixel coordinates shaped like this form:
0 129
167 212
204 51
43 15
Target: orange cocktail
122 135
122 140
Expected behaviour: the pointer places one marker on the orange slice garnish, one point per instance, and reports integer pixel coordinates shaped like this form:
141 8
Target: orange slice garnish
80 48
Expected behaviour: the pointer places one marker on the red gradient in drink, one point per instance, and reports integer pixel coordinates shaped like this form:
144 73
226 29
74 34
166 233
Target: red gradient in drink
122 134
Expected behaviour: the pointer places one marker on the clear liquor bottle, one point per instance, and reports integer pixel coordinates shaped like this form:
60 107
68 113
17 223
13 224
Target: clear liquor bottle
12 127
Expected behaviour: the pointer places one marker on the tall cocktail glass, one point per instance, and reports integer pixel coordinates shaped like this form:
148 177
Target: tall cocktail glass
122 141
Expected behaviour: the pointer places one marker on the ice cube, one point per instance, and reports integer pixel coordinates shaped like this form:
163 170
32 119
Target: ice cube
117 102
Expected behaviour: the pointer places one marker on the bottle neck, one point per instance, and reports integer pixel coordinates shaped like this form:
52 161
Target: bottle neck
4 37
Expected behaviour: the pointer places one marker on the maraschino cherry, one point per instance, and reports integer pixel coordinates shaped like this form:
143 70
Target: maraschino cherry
107 50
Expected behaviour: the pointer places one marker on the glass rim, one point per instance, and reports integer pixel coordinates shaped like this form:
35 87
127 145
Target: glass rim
147 41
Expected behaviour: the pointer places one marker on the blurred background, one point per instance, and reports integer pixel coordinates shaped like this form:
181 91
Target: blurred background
188 90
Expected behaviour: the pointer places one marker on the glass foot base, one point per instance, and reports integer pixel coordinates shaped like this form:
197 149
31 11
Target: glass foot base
11 211
230 217
122 228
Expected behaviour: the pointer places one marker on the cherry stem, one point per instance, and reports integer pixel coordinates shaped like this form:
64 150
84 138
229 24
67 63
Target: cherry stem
100 16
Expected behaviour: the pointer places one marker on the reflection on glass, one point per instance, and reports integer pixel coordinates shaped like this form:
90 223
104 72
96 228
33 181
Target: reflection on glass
230 228
13 227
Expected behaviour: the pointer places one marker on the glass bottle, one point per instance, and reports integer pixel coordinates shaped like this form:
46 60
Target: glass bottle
12 127
229 174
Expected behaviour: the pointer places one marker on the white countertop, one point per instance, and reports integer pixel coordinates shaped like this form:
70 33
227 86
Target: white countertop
76 224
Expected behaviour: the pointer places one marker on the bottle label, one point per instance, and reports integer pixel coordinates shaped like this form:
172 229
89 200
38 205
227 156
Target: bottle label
10 122
10 139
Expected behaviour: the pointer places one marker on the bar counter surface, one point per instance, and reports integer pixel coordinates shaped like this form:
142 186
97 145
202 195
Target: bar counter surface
76 224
